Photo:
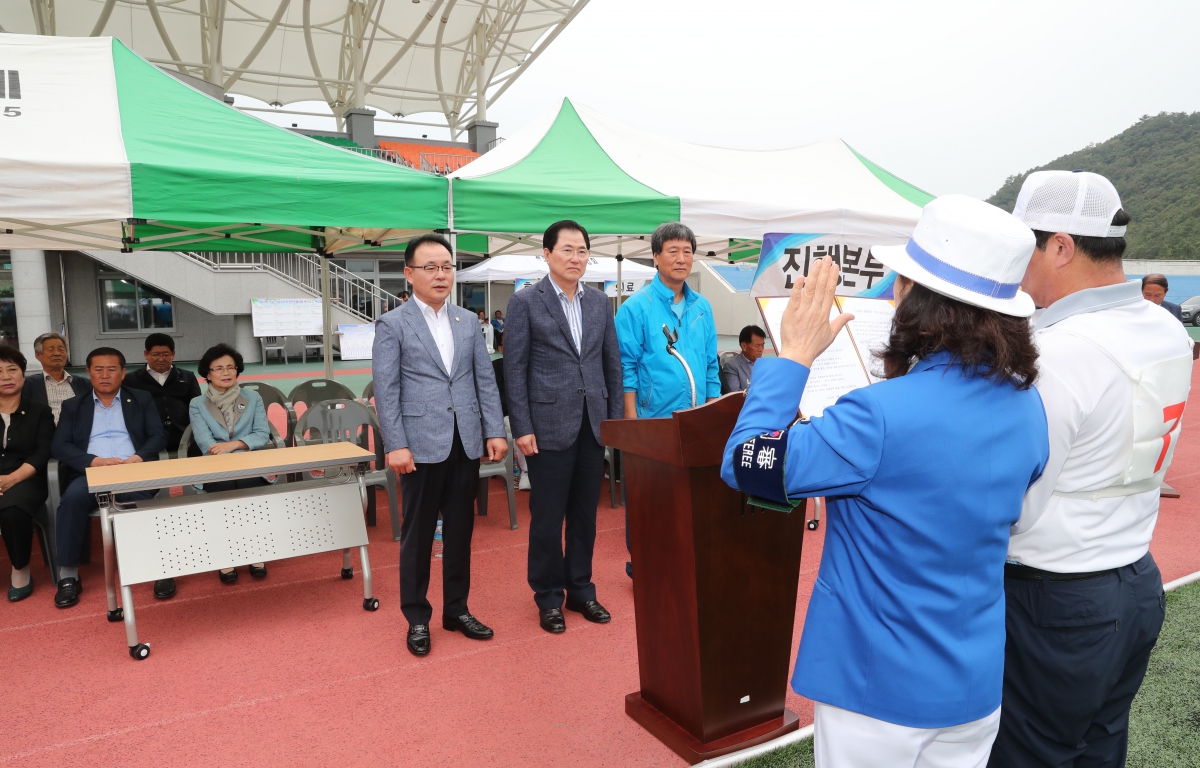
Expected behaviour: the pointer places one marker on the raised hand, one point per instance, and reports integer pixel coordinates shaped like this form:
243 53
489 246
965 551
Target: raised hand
806 330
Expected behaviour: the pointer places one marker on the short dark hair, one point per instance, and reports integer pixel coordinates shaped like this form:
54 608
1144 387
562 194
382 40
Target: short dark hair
216 353
159 340
550 236
12 355
672 230
984 342
106 352
749 332
404 295
1099 249
1155 279
410 250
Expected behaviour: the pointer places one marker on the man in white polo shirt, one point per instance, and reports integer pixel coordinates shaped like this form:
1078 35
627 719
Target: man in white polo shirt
1084 597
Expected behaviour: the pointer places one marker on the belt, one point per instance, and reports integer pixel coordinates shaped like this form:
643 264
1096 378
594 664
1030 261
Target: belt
1028 573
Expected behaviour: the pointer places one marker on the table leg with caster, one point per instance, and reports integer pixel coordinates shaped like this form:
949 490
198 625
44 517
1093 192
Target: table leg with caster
815 523
137 650
369 602
110 556
347 567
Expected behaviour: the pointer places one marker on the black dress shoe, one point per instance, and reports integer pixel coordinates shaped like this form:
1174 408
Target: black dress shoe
68 592
418 639
552 620
228 578
468 625
591 610
17 594
164 589
259 571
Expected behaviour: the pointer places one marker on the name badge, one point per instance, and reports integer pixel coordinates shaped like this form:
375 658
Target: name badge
758 466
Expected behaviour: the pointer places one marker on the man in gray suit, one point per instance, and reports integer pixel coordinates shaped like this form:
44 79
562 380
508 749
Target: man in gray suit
562 376
436 396
735 374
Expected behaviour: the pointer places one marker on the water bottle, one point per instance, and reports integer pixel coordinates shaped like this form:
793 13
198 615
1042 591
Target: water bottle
437 539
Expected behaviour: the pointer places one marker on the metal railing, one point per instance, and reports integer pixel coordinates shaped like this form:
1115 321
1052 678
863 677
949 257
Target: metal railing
387 155
443 164
348 291
494 143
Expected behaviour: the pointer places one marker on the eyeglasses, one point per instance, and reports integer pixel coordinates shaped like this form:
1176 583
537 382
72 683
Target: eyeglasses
224 369
433 269
571 253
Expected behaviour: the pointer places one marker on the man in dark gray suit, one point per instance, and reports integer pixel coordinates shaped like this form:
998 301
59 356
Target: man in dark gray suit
436 396
562 374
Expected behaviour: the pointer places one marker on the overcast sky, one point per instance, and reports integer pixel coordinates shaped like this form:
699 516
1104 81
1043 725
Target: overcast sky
950 96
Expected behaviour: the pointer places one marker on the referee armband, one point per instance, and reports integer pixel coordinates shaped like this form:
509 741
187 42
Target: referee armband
758 466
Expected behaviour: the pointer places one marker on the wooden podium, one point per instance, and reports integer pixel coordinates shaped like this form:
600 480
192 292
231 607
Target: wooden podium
714 586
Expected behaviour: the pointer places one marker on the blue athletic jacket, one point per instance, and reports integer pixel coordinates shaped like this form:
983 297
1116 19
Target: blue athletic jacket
658 378
923 475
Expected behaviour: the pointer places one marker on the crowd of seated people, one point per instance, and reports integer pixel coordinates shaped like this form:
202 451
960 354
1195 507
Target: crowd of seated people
113 416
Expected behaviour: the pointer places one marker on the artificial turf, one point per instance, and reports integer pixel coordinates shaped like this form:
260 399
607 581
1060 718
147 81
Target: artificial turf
1164 724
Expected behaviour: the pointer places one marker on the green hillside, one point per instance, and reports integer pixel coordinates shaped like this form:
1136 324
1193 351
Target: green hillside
1155 165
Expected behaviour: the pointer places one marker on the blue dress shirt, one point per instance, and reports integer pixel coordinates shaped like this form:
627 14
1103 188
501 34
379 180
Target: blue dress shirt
110 437
923 474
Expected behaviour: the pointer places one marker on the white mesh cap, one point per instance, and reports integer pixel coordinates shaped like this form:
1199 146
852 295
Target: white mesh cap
1075 202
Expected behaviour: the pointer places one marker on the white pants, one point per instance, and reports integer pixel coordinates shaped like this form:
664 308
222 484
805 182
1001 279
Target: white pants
844 739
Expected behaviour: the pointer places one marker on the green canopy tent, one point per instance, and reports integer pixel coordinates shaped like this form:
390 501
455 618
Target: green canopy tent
573 162
101 150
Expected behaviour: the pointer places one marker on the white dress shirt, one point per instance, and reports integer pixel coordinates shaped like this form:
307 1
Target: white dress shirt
161 378
439 327
573 309
1089 412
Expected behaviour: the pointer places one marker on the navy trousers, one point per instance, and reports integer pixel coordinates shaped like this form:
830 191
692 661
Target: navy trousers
1074 658
71 521
565 486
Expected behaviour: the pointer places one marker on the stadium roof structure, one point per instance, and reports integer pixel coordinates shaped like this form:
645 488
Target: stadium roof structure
574 162
452 57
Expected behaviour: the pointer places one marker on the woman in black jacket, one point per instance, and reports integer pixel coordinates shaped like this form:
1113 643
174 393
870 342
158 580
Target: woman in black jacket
26 430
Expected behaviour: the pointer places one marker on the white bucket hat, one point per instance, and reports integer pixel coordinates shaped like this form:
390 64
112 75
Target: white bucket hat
968 250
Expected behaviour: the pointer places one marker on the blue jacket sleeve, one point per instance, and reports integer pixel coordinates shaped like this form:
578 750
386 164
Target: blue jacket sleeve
836 454
629 339
260 433
516 367
385 371
201 431
61 446
712 361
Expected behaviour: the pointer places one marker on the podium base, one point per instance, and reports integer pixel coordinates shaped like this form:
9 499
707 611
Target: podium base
692 749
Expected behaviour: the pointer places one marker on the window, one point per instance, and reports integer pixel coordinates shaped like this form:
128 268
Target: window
8 307
128 305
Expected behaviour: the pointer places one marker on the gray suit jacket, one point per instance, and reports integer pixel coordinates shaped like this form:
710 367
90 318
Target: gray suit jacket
546 379
735 374
418 400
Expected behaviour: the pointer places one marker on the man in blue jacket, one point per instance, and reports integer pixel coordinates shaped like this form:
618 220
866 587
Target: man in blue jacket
656 382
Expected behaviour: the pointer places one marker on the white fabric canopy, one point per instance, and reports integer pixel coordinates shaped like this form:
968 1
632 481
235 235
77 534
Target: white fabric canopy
511 267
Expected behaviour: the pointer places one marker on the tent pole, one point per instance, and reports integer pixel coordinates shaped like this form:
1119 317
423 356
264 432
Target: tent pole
620 284
326 317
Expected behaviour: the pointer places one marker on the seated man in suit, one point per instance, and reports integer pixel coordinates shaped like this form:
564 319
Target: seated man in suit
108 425
53 386
735 374
439 412
173 389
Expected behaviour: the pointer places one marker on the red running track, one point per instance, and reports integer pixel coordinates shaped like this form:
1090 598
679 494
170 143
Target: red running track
291 671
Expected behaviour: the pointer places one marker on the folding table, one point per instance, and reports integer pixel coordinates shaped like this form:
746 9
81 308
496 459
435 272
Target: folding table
165 538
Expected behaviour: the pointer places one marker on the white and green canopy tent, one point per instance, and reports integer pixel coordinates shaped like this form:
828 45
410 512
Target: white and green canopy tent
99 149
573 162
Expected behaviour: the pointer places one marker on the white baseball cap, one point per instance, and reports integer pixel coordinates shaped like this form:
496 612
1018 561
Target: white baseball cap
1075 202
968 250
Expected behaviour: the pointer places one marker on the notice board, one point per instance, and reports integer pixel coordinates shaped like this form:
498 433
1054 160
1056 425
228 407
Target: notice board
286 317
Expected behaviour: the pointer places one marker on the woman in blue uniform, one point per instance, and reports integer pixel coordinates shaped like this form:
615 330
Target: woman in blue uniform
903 645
